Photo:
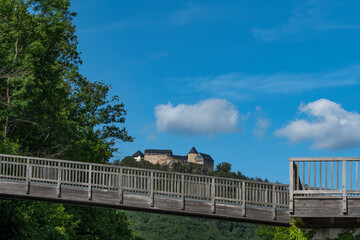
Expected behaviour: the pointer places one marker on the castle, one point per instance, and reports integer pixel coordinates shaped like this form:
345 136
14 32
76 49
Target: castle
168 158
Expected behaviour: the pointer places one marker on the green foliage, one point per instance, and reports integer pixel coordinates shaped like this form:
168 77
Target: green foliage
48 109
42 92
94 224
35 220
159 226
282 233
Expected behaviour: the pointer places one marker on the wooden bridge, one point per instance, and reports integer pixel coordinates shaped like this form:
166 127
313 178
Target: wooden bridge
120 187
323 192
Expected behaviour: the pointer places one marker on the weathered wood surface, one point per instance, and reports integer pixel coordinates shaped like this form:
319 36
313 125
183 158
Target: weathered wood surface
327 211
141 202
324 192
143 189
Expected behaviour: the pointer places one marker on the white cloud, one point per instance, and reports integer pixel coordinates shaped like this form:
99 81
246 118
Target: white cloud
234 85
328 126
306 16
209 116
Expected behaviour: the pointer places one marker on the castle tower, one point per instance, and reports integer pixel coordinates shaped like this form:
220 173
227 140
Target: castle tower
192 155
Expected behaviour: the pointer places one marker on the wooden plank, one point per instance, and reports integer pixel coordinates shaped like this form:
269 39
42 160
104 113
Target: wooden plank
243 199
28 176
59 180
121 183
151 189
182 192
332 175
213 207
357 175
89 183
291 187
344 202
274 202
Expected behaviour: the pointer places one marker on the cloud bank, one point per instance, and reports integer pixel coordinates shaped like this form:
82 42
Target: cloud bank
207 117
328 126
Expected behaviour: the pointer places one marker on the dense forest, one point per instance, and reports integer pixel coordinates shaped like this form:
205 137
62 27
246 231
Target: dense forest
48 109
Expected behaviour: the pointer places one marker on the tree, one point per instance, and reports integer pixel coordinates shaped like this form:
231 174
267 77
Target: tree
42 91
223 167
48 109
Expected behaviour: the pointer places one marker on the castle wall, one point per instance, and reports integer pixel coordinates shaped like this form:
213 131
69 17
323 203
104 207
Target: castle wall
191 157
156 158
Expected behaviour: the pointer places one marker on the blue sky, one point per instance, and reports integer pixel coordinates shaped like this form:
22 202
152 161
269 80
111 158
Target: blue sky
248 82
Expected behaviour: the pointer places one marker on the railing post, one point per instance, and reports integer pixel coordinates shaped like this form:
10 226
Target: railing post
152 189
1 165
59 180
182 192
274 201
213 203
120 182
344 201
243 199
90 180
291 187
28 176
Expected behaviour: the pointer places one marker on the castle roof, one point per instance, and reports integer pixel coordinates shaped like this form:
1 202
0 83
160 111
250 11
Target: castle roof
182 158
138 154
193 150
206 157
158 151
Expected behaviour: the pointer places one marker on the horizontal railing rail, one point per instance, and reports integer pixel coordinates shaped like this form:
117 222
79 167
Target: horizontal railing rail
122 179
324 176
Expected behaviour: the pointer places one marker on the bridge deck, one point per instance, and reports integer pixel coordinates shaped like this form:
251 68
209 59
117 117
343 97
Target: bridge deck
143 190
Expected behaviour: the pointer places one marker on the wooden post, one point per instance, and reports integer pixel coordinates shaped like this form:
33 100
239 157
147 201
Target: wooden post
243 199
274 201
344 201
120 182
151 189
90 180
182 192
213 207
59 180
291 187
28 176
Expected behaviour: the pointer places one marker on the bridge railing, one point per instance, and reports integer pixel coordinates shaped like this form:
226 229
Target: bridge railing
324 176
142 181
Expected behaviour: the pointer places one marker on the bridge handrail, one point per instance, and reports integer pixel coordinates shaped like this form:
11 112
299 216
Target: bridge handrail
146 181
324 176
142 169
